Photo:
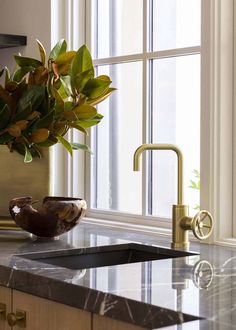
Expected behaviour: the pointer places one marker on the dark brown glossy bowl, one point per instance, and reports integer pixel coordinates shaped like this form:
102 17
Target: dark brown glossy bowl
56 216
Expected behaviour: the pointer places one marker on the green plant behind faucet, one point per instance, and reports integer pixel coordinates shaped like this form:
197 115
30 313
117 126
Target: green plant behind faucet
44 98
195 184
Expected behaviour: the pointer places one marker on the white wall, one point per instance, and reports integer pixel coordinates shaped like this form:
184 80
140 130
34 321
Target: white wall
25 17
33 19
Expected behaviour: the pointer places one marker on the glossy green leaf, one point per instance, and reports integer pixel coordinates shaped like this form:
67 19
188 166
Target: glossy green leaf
7 75
27 61
88 123
63 62
45 121
82 78
28 156
33 96
4 138
58 49
1 72
21 72
78 127
79 146
65 80
96 87
42 52
85 111
82 62
102 97
65 143
22 114
5 115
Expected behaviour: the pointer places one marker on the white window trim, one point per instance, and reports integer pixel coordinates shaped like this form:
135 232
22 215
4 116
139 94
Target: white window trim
216 122
217 117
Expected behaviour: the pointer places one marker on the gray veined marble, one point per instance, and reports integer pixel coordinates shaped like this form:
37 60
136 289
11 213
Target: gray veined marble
199 288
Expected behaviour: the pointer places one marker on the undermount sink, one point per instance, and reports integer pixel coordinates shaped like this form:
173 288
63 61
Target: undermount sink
101 256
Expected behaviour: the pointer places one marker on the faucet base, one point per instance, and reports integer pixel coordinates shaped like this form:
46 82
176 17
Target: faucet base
184 246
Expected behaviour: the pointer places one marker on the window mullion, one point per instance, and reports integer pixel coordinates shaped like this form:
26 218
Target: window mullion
148 55
145 108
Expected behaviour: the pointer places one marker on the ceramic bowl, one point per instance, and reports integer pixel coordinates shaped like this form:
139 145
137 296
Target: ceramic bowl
56 216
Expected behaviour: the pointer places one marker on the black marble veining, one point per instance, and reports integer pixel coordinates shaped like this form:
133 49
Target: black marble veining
151 294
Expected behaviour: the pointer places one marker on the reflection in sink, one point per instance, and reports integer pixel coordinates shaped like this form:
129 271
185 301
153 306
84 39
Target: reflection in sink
94 257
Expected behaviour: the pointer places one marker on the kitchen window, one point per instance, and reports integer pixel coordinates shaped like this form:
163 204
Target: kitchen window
155 64
172 62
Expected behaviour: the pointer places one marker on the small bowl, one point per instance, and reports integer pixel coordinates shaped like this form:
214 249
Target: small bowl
56 216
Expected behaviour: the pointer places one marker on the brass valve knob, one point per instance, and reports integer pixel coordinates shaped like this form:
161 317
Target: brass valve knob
17 319
203 274
202 225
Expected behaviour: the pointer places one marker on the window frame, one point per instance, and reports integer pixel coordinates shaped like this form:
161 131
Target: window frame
218 122
121 217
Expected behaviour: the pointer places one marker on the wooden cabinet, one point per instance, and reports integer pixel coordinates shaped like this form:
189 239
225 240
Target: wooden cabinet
102 323
44 314
5 301
49 315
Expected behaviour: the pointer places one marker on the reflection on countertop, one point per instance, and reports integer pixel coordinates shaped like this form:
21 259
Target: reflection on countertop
201 285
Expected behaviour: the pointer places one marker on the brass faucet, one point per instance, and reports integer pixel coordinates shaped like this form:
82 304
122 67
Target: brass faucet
201 224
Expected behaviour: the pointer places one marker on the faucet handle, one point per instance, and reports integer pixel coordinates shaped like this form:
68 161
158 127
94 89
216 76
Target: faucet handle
202 224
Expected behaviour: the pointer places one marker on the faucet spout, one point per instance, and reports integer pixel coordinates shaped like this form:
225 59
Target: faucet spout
157 146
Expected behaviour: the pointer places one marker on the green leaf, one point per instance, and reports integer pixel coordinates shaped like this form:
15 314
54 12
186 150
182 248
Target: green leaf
78 127
45 121
34 96
196 174
102 97
6 137
96 87
1 72
27 61
28 156
7 75
65 143
65 80
82 78
82 62
5 115
88 123
193 184
42 52
79 146
22 114
58 49
48 143
85 111
63 62
21 72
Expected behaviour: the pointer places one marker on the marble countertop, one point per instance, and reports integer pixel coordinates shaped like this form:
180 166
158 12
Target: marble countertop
151 294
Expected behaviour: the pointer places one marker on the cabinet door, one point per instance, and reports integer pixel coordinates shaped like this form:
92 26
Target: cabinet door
43 314
102 323
5 298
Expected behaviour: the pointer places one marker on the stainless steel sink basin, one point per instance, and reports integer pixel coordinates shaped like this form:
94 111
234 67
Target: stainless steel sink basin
94 257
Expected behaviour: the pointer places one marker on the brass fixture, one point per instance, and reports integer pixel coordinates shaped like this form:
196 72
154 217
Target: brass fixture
17 319
181 222
3 310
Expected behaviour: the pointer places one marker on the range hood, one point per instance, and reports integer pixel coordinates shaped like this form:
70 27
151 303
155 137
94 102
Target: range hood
10 40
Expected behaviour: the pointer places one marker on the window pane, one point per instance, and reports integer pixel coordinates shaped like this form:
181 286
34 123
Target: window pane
176 119
114 32
114 184
175 23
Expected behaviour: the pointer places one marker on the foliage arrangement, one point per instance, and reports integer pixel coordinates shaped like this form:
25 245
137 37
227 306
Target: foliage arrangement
43 99
195 184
